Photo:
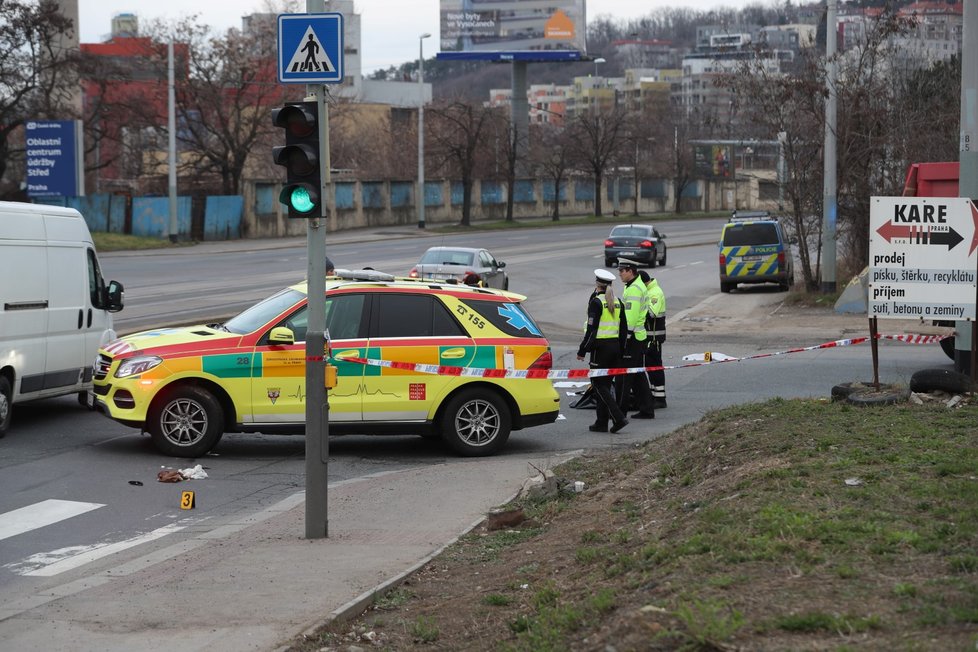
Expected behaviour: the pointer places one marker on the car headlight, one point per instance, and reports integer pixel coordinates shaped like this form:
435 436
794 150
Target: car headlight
137 365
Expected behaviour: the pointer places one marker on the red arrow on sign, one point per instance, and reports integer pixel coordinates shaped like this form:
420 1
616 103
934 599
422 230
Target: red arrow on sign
889 230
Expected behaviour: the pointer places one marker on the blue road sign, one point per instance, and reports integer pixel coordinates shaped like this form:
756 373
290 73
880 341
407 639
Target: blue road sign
310 48
53 158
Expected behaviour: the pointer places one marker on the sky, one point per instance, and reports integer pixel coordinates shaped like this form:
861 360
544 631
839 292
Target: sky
389 28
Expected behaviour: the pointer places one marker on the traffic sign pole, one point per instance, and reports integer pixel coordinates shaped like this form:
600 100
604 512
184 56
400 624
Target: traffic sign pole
317 407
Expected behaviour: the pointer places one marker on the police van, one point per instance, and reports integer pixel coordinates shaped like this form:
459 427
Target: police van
55 308
754 249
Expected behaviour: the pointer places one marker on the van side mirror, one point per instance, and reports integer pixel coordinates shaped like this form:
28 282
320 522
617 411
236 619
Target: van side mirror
281 335
114 296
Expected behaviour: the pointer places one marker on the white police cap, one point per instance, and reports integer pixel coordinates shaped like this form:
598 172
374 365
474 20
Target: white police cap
604 276
627 262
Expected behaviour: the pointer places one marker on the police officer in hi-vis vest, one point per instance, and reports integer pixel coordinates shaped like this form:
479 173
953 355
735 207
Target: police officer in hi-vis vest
655 327
602 339
636 307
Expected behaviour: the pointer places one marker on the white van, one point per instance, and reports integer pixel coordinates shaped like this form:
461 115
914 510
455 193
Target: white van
54 305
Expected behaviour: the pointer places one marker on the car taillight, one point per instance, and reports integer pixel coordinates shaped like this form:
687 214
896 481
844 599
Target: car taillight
781 262
609 243
646 244
545 361
413 273
723 262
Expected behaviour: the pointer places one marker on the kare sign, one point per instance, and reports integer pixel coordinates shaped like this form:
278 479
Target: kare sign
922 258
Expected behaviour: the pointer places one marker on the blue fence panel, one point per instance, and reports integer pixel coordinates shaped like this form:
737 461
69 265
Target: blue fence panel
117 213
402 194
653 188
548 190
693 190
266 199
344 195
372 194
458 193
492 193
624 189
151 216
94 208
584 190
523 191
432 194
222 217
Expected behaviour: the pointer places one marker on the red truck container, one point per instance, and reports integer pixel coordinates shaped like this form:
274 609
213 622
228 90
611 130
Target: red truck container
934 180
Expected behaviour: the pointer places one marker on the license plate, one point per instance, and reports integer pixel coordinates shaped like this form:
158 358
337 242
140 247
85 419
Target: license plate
751 259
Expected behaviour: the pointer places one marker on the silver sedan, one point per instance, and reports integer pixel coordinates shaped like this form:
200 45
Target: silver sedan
462 265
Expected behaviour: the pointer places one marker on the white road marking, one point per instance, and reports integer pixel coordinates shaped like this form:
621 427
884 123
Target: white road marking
49 564
41 514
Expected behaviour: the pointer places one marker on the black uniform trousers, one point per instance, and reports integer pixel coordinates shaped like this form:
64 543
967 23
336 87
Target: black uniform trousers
605 356
637 384
657 378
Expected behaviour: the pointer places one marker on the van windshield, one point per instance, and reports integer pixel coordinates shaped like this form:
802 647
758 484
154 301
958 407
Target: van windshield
749 235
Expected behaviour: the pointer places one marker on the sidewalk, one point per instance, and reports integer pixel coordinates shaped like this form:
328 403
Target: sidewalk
256 582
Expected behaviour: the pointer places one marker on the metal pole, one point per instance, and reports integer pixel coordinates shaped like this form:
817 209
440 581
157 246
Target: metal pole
968 165
829 183
172 126
420 199
317 406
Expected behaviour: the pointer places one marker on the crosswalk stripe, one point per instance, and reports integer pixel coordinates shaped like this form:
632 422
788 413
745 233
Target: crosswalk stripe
40 514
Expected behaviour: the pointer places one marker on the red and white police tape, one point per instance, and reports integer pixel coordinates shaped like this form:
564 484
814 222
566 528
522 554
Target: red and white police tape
566 374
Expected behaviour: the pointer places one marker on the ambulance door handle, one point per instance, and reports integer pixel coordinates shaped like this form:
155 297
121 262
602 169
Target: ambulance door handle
453 353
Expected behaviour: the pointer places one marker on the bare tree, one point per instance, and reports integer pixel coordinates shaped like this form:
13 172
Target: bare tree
597 137
225 100
550 154
457 128
33 70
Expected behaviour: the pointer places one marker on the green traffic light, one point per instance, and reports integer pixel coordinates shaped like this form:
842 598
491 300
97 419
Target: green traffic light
300 200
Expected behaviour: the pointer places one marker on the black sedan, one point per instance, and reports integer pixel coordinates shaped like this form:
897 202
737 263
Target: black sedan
462 265
640 242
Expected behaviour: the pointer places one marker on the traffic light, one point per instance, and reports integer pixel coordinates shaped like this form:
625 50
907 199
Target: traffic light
300 156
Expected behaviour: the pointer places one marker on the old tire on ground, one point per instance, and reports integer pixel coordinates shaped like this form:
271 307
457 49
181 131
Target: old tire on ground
842 391
6 405
186 421
885 395
476 422
929 380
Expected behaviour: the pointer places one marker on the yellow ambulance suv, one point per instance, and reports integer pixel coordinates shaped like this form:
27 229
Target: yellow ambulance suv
188 386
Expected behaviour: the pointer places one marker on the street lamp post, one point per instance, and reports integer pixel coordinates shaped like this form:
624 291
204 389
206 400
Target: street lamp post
596 62
420 198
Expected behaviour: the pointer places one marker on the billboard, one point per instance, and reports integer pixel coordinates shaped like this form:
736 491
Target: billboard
54 158
493 26
713 161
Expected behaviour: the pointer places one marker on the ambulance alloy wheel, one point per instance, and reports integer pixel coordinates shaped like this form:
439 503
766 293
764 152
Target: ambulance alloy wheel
6 404
186 422
476 422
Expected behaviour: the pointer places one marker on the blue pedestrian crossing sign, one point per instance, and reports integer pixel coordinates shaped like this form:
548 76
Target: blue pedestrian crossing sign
310 48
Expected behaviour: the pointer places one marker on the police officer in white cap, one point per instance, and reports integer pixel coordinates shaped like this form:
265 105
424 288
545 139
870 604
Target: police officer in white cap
635 308
603 337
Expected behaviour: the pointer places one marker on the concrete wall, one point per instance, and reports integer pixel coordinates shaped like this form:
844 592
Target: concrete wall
257 213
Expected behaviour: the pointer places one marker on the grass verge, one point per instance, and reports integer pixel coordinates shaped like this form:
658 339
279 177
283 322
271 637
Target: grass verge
783 525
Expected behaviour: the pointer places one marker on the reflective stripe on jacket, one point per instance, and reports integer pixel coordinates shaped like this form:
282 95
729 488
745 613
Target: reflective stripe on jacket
656 324
636 305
